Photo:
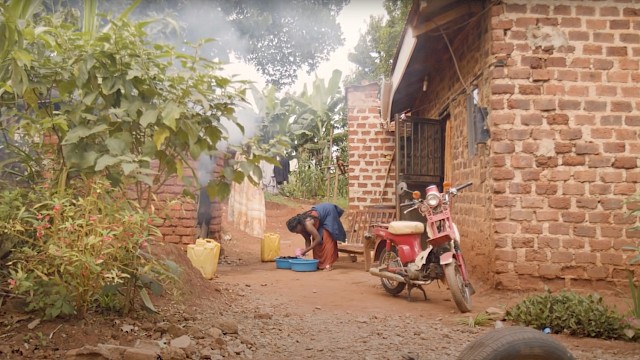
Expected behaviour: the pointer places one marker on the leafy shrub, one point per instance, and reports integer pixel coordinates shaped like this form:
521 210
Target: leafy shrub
11 201
310 181
307 182
570 313
86 252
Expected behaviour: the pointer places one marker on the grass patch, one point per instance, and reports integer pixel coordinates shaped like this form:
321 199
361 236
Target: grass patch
291 202
482 319
279 199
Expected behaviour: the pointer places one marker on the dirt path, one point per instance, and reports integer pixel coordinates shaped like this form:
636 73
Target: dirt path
251 310
345 313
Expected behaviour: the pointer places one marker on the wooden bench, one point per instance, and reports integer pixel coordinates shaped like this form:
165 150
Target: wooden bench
357 224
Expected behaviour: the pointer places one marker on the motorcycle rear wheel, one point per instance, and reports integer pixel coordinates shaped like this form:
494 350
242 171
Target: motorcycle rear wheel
390 286
459 291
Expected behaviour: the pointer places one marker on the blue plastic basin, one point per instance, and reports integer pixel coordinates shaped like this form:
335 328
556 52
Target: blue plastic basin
304 265
283 262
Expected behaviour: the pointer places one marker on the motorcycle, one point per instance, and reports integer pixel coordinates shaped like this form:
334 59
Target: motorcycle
403 262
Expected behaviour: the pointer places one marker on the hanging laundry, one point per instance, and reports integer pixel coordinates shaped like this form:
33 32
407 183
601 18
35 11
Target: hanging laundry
268 179
281 173
293 165
246 207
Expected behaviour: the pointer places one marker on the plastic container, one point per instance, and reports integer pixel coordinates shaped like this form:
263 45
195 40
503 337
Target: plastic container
304 265
284 262
204 255
270 247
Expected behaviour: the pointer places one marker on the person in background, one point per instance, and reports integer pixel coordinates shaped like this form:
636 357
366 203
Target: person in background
321 229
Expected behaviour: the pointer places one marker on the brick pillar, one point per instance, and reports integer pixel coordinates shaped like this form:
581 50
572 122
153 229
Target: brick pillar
371 169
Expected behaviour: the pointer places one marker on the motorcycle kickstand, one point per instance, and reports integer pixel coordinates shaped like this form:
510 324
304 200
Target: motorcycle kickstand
411 287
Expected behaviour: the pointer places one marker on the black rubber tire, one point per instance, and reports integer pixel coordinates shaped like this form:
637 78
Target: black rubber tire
515 343
386 284
461 294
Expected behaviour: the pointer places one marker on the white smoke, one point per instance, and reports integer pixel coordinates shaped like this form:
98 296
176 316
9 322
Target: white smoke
204 170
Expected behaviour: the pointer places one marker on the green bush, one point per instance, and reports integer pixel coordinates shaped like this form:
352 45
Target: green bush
570 313
307 182
87 252
310 182
11 201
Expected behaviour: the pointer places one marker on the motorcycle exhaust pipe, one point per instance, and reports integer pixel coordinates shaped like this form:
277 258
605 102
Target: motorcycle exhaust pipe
387 275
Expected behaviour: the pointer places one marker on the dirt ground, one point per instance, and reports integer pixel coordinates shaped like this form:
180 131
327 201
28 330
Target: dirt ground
251 310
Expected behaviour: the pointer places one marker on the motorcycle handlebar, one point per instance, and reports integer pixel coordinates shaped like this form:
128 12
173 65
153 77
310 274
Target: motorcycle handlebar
464 186
407 204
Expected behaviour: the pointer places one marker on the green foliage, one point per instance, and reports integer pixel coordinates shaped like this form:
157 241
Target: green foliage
277 37
373 54
11 212
319 116
85 252
570 313
635 297
307 182
315 122
119 105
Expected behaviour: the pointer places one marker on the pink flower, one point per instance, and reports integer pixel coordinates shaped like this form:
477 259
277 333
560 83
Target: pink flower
40 233
107 238
57 207
143 244
93 218
12 283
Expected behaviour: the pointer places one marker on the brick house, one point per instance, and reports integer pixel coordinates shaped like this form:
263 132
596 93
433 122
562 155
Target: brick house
538 103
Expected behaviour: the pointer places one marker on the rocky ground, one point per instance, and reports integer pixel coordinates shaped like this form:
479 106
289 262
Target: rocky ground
251 310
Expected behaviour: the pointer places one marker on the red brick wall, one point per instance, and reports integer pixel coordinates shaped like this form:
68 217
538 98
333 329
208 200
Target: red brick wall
370 150
447 94
565 141
179 227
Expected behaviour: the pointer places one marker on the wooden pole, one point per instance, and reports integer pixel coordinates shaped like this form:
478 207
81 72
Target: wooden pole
327 175
335 181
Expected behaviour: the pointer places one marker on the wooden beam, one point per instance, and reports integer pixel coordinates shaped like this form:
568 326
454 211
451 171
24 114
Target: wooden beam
445 17
422 12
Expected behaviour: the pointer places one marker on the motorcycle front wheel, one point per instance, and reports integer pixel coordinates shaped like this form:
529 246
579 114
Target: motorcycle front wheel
459 290
391 259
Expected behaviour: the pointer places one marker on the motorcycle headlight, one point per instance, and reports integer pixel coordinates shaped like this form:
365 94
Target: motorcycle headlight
433 199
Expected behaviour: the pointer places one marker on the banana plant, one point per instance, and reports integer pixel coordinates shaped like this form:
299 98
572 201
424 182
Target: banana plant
320 116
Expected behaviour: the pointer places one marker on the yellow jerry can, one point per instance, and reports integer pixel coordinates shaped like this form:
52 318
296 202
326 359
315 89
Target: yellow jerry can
270 247
204 256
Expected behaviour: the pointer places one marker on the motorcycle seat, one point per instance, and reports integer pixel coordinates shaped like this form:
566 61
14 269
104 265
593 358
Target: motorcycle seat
406 227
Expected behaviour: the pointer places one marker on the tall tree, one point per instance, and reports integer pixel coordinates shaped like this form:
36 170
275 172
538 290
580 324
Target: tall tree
120 106
374 52
277 37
